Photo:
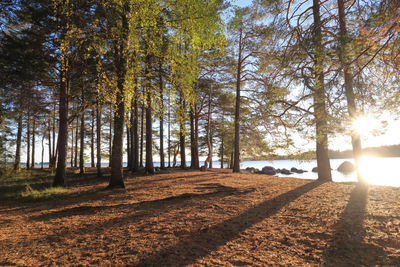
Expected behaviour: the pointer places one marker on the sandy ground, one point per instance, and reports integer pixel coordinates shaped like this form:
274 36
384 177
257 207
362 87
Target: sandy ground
212 218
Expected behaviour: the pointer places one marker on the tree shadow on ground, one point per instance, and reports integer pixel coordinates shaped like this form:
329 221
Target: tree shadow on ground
215 190
348 247
201 243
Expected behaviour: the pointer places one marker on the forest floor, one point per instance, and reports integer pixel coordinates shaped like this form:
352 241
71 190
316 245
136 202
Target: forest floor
213 218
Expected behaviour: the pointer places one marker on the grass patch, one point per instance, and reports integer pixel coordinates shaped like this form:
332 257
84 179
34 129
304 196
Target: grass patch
46 193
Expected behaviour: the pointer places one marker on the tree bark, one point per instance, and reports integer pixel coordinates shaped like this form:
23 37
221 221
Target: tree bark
17 163
76 144
28 141
82 144
92 140
324 168
169 132
98 137
62 143
162 159
182 132
117 175
110 138
149 121
42 163
348 85
141 137
236 161
135 157
209 146
72 144
128 145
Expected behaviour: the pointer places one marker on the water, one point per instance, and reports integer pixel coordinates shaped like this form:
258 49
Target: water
378 171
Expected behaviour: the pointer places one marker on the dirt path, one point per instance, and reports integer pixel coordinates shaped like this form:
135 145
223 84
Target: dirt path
212 218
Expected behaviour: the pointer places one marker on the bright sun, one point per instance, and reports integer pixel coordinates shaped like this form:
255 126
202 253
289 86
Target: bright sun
365 124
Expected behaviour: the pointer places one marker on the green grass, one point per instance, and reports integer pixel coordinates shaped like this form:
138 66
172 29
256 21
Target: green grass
27 184
50 192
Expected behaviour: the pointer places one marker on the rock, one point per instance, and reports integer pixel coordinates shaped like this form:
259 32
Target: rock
293 169
250 169
315 169
285 171
346 166
156 169
203 168
268 170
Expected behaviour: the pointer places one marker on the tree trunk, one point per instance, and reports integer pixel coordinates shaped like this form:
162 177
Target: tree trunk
82 144
324 168
76 144
236 161
128 145
42 163
135 157
222 151
62 143
17 163
162 160
182 132
72 144
149 121
231 164
98 137
50 143
33 141
141 137
348 85
110 138
28 141
209 146
169 132
192 145
92 141
117 174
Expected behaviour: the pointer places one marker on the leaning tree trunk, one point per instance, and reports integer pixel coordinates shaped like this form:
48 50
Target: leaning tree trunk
324 167
236 161
348 84
17 163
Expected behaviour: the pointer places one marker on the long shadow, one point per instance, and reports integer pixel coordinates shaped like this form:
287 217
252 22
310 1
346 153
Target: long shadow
201 243
347 247
217 190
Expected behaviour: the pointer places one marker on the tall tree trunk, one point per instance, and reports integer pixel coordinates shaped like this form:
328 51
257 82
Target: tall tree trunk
76 144
110 138
62 143
162 159
42 163
324 168
17 163
231 164
28 141
236 161
196 136
128 145
82 144
344 55
182 131
135 156
169 131
72 144
209 146
222 151
50 143
92 140
117 179
33 141
149 121
98 137
192 153
141 137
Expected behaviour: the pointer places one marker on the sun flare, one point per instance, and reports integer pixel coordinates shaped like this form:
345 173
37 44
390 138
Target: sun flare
365 124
